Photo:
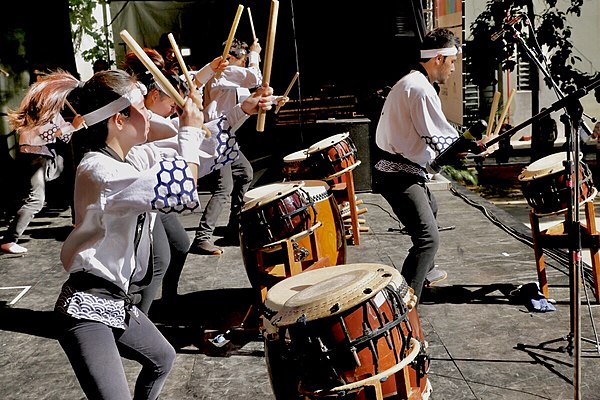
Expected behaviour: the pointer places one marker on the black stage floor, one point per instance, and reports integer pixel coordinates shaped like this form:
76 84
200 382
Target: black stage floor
483 342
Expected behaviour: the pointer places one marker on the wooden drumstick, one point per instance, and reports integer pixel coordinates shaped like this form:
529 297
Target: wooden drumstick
493 112
504 112
251 24
179 56
260 121
74 112
236 21
288 90
158 75
186 73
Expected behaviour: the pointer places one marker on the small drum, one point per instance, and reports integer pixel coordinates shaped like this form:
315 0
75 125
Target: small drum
332 156
296 165
274 212
546 189
337 330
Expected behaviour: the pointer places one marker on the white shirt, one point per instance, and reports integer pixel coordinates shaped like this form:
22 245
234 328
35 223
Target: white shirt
110 195
232 87
412 122
219 149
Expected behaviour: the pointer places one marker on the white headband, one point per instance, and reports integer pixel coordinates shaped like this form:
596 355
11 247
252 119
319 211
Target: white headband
446 51
114 107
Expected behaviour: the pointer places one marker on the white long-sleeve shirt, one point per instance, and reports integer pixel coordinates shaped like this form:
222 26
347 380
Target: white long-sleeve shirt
34 139
219 149
412 123
222 93
110 197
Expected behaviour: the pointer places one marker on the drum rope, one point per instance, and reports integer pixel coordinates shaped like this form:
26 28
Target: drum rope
340 391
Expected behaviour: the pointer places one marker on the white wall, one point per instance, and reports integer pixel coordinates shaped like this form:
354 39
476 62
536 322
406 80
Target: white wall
83 67
585 38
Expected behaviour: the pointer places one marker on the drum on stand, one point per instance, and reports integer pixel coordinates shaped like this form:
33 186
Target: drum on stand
270 214
345 326
297 166
332 156
275 212
545 186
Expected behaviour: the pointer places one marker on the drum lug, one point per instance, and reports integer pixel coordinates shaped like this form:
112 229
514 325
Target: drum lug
421 364
355 354
300 253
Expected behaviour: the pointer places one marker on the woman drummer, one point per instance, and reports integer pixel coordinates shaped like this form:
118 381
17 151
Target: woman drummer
107 253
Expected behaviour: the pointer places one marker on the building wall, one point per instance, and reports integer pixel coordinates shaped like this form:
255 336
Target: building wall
585 31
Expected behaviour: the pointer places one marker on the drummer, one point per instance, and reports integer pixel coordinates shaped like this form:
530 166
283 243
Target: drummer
411 131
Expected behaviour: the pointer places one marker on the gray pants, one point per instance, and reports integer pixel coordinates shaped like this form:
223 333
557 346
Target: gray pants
170 245
31 192
416 208
95 352
232 180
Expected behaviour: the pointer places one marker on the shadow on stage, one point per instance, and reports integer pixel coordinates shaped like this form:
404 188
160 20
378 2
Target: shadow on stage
497 293
192 321
30 322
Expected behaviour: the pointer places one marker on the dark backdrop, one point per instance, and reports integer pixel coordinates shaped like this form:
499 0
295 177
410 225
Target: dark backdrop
339 47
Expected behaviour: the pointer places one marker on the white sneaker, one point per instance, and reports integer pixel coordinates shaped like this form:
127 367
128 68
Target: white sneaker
13 248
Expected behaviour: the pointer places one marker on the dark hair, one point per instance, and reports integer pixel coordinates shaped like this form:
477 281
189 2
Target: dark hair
134 66
101 89
439 38
238 48
100 65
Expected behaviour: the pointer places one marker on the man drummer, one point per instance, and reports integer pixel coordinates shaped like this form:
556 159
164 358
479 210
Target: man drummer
411 131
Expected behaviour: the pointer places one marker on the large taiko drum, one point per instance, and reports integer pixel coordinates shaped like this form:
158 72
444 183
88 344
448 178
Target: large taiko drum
274 212
336 330
330 239
545 186
332 156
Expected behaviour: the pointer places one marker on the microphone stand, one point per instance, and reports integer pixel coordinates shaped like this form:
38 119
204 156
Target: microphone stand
572 119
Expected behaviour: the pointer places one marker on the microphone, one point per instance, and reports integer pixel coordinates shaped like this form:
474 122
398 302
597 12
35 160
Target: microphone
507 25
464 143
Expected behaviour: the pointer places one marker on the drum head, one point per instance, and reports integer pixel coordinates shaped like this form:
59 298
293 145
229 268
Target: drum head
324 292
296 156
318 190
327 142
268 193
544 166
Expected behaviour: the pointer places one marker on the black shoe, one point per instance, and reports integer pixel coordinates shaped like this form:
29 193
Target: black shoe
206 248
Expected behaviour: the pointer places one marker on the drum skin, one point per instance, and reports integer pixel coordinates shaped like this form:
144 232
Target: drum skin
362 340
545 186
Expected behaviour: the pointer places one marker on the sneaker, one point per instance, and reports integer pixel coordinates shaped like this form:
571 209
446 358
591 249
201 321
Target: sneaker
435 275
206 248
13 248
